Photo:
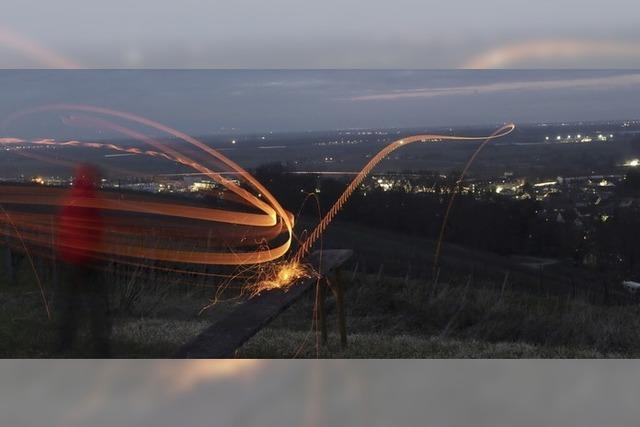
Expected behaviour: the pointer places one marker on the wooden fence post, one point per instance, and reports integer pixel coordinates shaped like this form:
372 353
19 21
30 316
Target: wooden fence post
7 258
540 280
380 270
605 289
504 284
322 320
407 275
342 319
355 272
434 285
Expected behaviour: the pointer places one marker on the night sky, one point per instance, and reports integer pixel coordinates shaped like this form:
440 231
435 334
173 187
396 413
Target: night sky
227 101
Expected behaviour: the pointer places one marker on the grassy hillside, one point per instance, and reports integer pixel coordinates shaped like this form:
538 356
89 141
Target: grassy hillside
398 318
392 310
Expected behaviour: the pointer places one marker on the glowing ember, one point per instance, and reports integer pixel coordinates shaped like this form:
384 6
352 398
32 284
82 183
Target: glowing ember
281 276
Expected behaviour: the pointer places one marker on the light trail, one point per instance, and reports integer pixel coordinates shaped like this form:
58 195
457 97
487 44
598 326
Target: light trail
271 217
236 229
456 190
357 180
34 51
12 223
285 274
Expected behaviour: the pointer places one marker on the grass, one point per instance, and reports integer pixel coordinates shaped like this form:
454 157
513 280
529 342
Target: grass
25 330
275 343
386 316
153 337
28 333
403 319
156 325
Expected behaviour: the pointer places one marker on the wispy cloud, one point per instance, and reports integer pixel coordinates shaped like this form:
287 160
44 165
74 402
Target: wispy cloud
608 82
512 54
294 83
279 85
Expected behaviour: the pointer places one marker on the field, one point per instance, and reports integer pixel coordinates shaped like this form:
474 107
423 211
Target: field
394 318
475 310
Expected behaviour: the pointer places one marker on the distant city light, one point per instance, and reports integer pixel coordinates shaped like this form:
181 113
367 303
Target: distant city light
545 184
632 163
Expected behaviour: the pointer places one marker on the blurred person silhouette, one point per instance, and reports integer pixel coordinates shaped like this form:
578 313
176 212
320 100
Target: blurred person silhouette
79 238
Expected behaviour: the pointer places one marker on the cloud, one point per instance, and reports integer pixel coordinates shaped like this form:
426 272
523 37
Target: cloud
510 54
287 83
608 82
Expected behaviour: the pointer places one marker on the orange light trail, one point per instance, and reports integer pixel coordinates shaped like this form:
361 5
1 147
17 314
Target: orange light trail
272 216
283 277
456 189
32 265
242 228
357 180
34 51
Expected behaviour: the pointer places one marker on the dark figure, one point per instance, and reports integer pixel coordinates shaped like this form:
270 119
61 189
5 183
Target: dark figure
80 237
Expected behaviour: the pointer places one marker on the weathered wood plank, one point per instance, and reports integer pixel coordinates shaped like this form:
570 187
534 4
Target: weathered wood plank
222 338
